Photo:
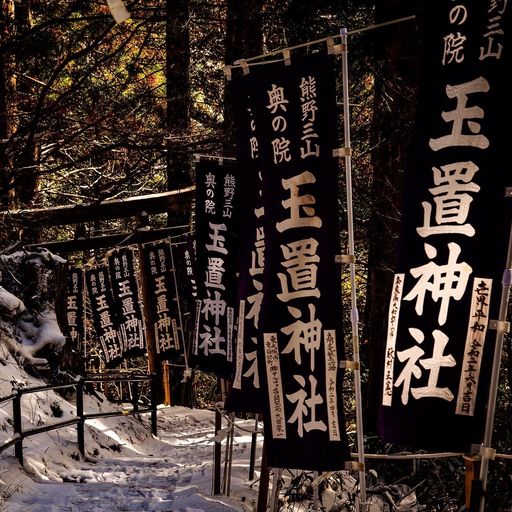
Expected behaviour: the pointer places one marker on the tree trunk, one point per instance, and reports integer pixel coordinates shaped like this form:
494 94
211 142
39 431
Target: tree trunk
178 93
26 178
179 161
301 20
244 39
7 100
396 81
25 163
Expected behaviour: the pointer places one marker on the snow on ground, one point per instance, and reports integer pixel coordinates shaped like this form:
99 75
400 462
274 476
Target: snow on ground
171 474
126 468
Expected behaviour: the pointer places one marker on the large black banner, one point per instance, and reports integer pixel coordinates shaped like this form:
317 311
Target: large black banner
162 307
216 205
104 317
454 232
245 394
127 298
75 308
301 339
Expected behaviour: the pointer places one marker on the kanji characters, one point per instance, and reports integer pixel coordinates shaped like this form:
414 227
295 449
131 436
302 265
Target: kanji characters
413 363
300 207
306 406
463 116
451 200
443 282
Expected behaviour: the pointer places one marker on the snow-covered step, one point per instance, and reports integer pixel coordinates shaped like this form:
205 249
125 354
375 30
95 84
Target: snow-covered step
139 484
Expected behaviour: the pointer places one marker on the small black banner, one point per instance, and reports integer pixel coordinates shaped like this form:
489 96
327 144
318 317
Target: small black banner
245 393
162 307
104 317
185 261
75 308
216 196
127 298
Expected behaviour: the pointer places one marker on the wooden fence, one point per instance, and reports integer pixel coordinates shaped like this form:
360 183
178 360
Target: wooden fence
134 380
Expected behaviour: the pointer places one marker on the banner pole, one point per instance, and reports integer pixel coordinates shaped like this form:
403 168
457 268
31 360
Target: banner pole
353 297
178 304
232 443
276 487
501 329
264 481
316 498
151 348
254 441
237 63
83 319
217 451
228 454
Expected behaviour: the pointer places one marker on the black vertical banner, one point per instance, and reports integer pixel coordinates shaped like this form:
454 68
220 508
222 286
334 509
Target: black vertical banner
162 307
127 298
454 236
245 393
104 317
185 262
75 308
301 341
216 196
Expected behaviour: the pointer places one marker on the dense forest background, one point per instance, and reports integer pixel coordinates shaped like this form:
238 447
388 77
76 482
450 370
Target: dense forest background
91 110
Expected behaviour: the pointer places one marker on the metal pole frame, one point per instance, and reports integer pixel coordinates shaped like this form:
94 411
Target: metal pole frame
154 410
276 487
353 297
501 329
251 61
316 497
217 451
228 459
264 481
231 446
254 440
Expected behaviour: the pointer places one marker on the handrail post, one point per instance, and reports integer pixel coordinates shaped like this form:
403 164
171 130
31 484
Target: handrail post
135 396
80 426
154 425
17 425
217 453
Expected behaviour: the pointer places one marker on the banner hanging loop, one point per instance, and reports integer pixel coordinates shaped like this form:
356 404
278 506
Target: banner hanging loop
287 57
350 365
487 452
243 64
345 258
342 47
227 72
500 326
342 152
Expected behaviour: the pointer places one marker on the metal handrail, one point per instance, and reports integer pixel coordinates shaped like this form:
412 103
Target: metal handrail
7 398
13 440
81 417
